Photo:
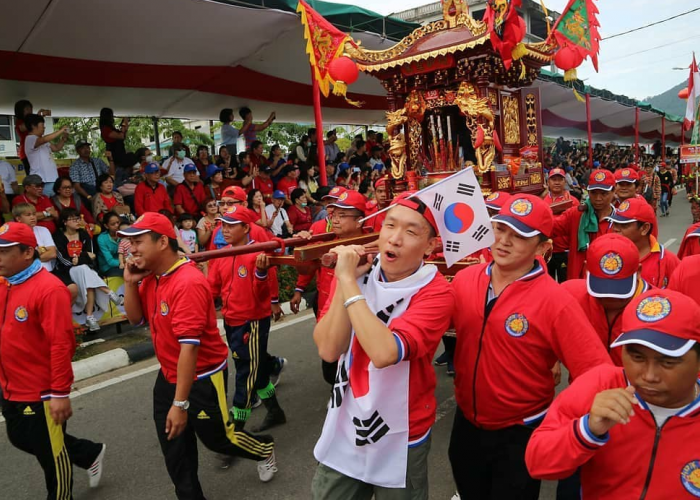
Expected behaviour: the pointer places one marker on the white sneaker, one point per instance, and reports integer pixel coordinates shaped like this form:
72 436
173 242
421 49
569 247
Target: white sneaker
456 496
267 468
95 471
92 323
278 376
118 300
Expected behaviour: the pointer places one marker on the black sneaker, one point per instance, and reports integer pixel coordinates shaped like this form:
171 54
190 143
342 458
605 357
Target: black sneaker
442 359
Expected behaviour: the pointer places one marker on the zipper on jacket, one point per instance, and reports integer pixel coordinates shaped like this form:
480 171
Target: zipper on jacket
2 326
152 326
652 460
488 307
610 329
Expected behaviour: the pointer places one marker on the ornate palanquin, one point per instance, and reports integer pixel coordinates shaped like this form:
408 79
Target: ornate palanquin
452 102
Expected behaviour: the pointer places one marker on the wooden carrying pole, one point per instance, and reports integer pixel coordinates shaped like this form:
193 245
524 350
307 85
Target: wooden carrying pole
266 246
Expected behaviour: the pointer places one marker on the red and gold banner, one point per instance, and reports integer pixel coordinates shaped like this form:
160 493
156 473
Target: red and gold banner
325 43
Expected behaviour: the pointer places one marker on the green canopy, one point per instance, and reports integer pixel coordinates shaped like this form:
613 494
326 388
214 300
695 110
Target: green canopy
348 18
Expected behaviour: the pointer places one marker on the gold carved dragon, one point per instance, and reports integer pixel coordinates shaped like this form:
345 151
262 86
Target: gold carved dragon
480 121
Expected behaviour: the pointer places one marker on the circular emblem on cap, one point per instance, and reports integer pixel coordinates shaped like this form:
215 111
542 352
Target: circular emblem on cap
653 309
611 264
335 190
21 314
517 325
626 172
521 207
599 176
164 309
5 228
343 196
624 206
242 271
493 196
231 210
139 219
690 477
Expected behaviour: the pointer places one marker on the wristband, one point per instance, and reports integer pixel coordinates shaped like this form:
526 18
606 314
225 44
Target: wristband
352 300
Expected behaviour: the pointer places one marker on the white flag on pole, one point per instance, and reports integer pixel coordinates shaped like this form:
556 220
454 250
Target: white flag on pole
460 212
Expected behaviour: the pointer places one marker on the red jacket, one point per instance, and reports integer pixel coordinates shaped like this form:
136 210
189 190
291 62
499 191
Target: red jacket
686 277
634 461
566 229
658 265
245 293
148 199
191 200
505 352
596 314
689 245
36 339
266 188
560 242
179 308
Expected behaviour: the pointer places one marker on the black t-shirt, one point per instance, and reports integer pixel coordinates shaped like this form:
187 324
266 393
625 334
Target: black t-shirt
359 160
666 181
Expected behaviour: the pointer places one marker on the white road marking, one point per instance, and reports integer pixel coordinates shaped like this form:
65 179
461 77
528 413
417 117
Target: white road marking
444 408
156 366
670 242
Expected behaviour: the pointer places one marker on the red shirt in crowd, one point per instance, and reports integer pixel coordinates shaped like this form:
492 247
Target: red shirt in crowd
506 349
300 218
191 199
287 185
42 203
566 226
420 330
559 241
36 339
179 309
22 137
658 265
265 186
607 332
686 277
631 461
150 199
245 293
83 209
691 242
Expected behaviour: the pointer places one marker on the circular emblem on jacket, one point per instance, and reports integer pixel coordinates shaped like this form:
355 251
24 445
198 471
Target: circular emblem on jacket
611 264
624 206
521 207
5 228
653 309
690 477
517 325
21 314
242 271
164 309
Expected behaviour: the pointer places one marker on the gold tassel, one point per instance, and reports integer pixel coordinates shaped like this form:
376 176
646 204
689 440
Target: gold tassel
519 51
523 72
340 88
570 75
577 95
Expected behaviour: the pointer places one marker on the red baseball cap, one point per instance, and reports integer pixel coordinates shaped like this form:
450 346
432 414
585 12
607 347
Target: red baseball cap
405 200
613 262
17 233
495 201
601 179
663 320
633 166
381 181
634 210
150 222
235 192
351 199
556 171
335 193
626 175
527 215
239 215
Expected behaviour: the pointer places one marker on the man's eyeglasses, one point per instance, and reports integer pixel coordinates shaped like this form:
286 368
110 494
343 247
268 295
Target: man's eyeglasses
227 203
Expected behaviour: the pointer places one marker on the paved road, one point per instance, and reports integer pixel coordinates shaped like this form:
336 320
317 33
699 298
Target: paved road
120 415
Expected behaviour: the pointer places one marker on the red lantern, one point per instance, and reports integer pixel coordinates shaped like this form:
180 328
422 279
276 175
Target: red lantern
568 59
343 69
683 94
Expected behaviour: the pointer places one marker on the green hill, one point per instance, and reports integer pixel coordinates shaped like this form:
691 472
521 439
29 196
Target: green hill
669 101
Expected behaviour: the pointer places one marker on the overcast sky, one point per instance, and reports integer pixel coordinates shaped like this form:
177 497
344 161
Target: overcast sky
637 65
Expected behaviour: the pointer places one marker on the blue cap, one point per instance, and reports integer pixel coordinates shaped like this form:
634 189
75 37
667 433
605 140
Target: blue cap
152 168
596 164
278 195
213 169
343 166
190 167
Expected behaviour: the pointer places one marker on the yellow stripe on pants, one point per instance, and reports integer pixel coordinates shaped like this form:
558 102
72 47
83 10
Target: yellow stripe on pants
254 355
64 470
240 439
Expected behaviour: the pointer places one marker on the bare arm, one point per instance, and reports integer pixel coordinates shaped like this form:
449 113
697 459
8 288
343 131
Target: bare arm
50 137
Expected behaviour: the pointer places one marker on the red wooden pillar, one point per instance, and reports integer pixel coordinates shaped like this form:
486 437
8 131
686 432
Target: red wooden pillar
318 117
590 131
